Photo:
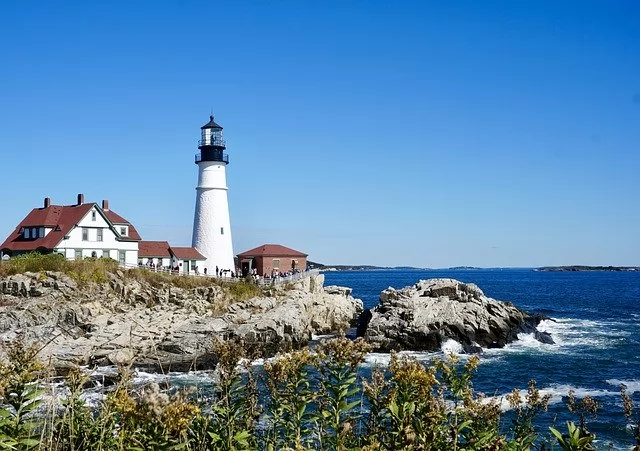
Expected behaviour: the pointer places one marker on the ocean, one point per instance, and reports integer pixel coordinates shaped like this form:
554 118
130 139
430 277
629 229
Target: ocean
595 322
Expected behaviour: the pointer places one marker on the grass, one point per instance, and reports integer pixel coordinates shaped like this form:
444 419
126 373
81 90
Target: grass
82 271
92 270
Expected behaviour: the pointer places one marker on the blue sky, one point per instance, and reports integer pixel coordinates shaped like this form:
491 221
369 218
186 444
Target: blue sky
432 134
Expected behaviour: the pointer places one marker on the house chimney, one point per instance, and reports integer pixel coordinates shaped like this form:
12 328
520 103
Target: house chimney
47 202
105 204
80 199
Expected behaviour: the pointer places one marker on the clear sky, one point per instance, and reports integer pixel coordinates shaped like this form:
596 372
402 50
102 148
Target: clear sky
427 133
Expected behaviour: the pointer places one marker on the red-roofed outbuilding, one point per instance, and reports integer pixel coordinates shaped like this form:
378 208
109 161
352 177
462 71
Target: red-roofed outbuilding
269 259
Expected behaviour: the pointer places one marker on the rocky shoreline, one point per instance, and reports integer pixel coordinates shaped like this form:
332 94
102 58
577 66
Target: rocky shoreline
166 328
423 316
162 328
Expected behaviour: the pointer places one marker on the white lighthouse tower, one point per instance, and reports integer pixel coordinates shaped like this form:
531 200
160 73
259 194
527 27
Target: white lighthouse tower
211 224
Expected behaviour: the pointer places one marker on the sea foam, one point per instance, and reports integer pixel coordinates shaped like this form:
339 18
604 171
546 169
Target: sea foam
633 386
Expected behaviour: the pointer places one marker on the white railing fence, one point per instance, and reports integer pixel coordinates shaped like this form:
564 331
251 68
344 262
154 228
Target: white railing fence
226 277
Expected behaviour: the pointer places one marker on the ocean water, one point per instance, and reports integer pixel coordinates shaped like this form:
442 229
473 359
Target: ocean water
595 322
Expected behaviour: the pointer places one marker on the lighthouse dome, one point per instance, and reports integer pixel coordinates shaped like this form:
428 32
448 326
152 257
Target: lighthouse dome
211 124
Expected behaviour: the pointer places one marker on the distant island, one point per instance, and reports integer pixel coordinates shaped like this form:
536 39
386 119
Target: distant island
587 268
323 267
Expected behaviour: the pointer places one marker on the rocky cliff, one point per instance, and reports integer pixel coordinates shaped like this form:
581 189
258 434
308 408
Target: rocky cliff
167 328
423 316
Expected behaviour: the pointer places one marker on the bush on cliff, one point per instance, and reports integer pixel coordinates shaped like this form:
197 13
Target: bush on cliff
95 270
303 401
82 271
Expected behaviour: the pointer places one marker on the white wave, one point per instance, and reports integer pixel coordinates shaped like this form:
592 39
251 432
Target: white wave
571 332
633 386
93 399
380 359
451 346
558 392
377 359
191 378
315 337
526 343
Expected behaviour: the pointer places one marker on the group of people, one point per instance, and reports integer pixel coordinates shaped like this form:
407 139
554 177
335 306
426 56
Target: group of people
158 267
275 273
219 272
224 273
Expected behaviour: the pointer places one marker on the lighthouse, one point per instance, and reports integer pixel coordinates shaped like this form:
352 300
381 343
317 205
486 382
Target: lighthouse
211 223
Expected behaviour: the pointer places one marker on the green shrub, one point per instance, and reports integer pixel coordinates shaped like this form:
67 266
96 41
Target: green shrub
309 400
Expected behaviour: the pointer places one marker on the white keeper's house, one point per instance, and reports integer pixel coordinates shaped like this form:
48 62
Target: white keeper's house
89 230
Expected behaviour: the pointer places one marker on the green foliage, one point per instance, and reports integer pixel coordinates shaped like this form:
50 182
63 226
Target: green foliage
82 271
92 270
527 410
291 411
311 400
33 262
574 440
630 414
242 290
21 396
338 403
234 412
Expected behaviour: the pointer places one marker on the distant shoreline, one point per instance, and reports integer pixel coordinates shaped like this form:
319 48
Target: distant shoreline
571 268
587 268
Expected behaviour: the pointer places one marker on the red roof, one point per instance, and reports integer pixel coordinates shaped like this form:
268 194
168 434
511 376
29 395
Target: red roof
62 218
272 250
187 253
147 249
117 219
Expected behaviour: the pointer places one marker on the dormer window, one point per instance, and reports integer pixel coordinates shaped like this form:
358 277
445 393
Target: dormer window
27 233
123 231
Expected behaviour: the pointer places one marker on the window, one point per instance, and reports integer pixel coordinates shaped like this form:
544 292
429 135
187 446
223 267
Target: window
99 237
122 257
276 263
41 232
93 215
34 233
85 234
78 254
27 233
221 230
105 253
123 231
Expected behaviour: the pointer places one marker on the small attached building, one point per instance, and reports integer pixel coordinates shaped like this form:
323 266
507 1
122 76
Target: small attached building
270 259
154 254
187 260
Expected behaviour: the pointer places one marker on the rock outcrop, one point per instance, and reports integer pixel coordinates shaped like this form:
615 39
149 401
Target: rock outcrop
126 321
422 317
